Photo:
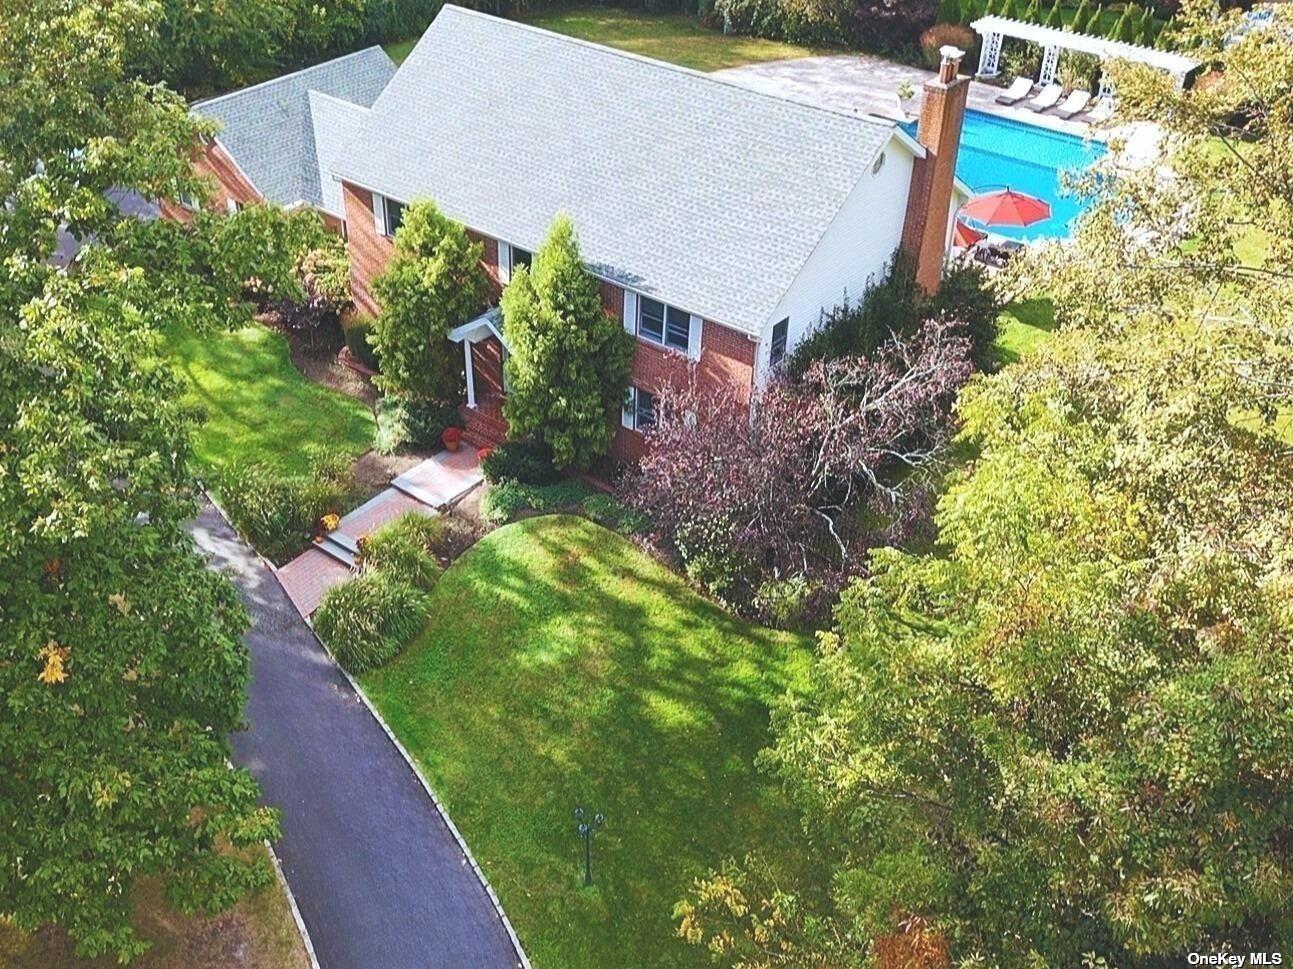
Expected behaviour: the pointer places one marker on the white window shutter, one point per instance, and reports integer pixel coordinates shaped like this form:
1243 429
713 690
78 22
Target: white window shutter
379 214
630 311
504 262
693 337
628 407
230 205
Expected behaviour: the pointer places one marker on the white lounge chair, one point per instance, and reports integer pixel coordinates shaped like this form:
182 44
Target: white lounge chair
1073 104
1018 90
1048 98
1102 111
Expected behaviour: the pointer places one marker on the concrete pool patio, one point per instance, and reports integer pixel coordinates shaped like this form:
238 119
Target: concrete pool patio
863 84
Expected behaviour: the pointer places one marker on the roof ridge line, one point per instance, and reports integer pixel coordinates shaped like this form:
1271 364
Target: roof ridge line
285 77
665 65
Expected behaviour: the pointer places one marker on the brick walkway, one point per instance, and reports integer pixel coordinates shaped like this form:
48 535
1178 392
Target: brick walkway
428 487
308 576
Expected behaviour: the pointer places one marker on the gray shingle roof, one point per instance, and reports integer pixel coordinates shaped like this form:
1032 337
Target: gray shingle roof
270 129
681 185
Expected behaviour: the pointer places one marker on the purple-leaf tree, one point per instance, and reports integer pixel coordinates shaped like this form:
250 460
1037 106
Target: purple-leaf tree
751 494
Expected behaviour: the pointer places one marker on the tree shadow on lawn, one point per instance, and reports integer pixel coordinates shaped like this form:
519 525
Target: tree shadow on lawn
565 667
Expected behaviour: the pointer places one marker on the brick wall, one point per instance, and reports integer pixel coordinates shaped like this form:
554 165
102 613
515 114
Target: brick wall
211 160
727 360
369 251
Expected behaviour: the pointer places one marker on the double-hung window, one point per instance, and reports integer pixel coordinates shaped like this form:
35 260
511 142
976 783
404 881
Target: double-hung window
639 409
777 349
388 215
666 325
521 257
394 215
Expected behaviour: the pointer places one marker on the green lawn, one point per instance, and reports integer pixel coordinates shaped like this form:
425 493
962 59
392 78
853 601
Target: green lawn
258 407
563 666
1023 325
677 38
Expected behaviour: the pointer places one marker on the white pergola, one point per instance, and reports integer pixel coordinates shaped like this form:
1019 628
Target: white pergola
1052 40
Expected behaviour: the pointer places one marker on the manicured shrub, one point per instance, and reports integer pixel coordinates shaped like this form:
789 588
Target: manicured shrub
405 549
1093 22
568 364
1080 15
356 333
528 461
1055 18
367 621
1030 11
278 513
433 282
419 425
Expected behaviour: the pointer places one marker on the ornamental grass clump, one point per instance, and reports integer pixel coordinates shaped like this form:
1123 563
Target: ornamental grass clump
405 548
367 621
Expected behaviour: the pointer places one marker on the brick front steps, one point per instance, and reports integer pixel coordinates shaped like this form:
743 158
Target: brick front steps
486 426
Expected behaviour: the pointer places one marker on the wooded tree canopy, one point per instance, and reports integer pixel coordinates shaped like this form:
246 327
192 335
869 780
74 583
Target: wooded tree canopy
121 662
1064 733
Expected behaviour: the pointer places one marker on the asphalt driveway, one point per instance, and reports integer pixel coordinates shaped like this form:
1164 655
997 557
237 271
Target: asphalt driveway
380 880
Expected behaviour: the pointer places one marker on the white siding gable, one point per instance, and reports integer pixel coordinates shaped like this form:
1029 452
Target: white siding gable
855 248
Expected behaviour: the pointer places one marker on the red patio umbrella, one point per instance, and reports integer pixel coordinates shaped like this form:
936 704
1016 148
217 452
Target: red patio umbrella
1008 208
966 236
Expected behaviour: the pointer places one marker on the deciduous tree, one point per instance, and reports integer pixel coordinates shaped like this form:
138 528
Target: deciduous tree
121 663
1065 731
745 497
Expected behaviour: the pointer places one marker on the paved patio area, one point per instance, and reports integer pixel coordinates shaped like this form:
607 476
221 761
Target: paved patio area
862 84
430 487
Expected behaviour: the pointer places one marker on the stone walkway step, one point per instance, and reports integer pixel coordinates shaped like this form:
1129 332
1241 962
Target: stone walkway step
426 488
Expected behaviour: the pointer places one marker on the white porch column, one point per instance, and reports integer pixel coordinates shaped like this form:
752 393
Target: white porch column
471 381
1050 66
990 55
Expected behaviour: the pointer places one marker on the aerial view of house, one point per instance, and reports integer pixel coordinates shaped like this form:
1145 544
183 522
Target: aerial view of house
764 486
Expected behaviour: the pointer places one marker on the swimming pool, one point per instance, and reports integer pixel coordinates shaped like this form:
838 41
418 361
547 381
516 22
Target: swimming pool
1000 152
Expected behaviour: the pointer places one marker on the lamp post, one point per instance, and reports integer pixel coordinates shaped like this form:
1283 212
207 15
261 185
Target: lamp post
586 832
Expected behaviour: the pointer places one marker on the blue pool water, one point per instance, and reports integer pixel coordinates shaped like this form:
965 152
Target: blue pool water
999 152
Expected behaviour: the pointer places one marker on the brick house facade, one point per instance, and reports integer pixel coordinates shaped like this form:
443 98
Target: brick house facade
231 188
726 359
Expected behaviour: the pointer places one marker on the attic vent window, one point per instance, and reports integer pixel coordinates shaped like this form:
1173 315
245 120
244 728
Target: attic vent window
878 164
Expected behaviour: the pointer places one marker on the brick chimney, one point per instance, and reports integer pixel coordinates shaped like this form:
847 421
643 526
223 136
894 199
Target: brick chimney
942 113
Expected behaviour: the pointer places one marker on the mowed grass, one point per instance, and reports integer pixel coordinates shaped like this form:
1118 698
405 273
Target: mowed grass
257 407
257 933
676 38
564 667
1022 326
